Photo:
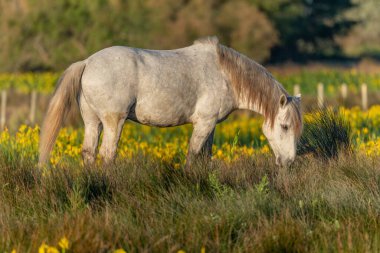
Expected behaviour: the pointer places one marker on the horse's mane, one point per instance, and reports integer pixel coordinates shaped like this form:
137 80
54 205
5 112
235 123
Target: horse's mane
252 81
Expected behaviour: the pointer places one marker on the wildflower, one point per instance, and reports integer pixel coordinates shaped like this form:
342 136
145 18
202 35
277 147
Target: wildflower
43 248
265 149
64 243
119 251
52 250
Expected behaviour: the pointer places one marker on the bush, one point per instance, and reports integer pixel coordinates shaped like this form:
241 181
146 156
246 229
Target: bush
326 134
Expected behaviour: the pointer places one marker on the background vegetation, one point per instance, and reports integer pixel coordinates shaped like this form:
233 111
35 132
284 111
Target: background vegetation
48 35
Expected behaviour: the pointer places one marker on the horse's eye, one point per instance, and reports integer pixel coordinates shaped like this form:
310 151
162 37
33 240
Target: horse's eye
285 127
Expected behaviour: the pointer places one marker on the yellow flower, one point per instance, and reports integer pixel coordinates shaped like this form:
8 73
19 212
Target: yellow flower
64 243
42 248
13 251
119 251
181 251
265 149
52 250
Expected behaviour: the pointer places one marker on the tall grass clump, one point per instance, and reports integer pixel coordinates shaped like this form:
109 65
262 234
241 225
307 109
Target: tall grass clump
326 134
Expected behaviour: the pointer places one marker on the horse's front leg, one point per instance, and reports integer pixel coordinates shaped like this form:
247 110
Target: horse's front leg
201 141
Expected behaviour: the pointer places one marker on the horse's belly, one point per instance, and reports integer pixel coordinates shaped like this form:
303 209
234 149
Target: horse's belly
160 114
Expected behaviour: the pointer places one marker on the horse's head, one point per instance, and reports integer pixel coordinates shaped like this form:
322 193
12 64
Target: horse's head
285 129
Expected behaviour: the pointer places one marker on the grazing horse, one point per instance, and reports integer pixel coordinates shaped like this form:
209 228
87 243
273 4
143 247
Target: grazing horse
200 84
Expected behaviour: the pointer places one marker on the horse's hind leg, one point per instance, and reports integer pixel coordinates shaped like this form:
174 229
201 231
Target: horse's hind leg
112 126
92 128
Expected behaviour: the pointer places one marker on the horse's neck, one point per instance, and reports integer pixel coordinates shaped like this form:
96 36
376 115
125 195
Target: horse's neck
244 103
254 87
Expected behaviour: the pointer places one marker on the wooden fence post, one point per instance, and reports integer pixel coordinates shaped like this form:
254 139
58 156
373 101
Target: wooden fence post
3 109
320 95
33 102
344 92
364 91
296 89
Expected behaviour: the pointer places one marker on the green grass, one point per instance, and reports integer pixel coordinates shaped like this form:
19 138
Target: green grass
326 134
331 78
143 206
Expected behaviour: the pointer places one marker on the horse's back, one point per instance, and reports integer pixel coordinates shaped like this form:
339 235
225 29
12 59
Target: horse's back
157 87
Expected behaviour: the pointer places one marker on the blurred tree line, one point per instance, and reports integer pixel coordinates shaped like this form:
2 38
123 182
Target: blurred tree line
49 35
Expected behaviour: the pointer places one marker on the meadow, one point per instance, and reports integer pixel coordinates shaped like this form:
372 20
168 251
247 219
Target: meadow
147 202
238 202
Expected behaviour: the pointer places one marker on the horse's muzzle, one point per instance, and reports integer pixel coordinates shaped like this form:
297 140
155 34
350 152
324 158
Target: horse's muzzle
284 162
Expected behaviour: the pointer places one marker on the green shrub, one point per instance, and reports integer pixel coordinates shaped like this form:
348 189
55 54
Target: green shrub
326 134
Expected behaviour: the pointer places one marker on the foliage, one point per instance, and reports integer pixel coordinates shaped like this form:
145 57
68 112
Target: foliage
332 79
167 145
326 134
363 39
27 82
239 29
240 136
308 80
308 28
49 35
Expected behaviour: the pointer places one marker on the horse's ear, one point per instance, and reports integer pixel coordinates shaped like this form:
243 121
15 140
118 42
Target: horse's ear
283 100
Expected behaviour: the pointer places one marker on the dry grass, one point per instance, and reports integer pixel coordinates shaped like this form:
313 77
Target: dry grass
144 206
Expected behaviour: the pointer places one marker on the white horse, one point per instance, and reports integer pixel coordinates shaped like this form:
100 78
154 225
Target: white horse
200 84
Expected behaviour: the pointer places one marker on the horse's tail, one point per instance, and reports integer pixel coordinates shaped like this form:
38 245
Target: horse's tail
67 92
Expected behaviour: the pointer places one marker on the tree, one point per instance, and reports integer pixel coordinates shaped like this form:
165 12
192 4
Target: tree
307 28
39 35
49 35
364 38
245 28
